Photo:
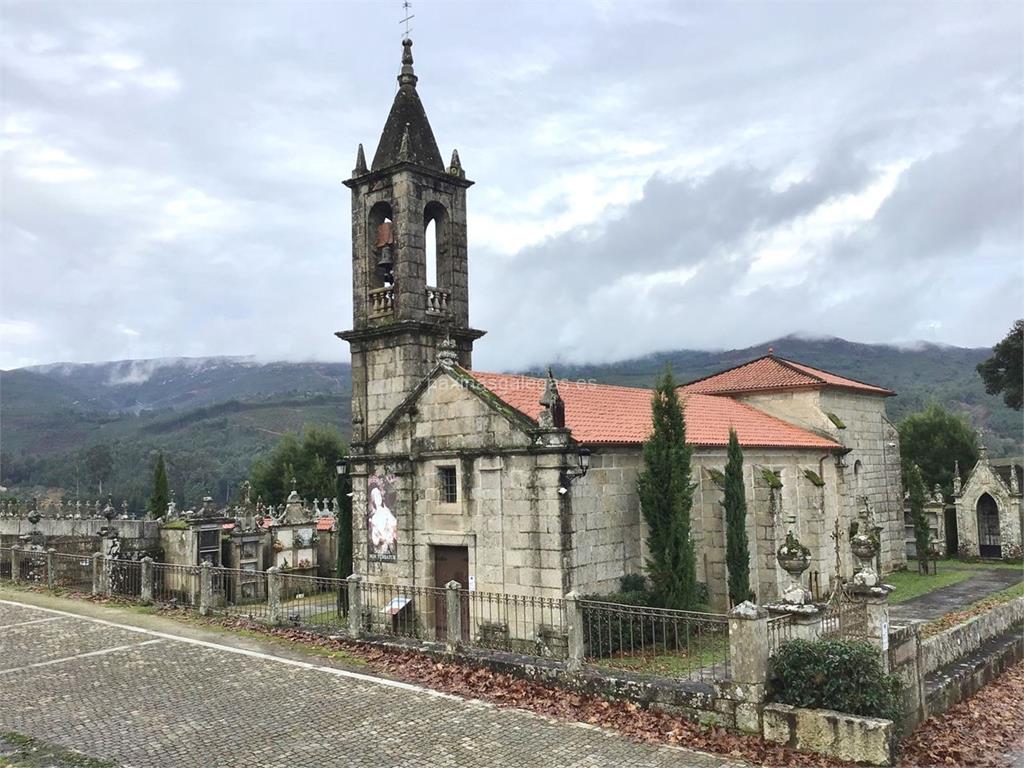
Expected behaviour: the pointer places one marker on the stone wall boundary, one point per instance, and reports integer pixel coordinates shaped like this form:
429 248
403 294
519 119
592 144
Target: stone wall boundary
964 639
849 737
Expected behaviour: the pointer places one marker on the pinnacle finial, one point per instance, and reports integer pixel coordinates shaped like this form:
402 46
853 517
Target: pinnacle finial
408 76
360 169
455 166
553 414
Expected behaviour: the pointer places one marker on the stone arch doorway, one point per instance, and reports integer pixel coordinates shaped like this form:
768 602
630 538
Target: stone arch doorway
988 527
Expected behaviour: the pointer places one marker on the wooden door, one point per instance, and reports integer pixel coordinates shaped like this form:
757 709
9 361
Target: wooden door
450 564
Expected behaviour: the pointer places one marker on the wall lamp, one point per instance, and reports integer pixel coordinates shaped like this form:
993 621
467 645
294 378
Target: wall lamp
571 473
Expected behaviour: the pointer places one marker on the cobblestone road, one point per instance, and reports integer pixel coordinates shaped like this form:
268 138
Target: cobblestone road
149 700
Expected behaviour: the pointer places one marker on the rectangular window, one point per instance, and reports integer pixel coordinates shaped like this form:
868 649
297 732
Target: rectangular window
449 485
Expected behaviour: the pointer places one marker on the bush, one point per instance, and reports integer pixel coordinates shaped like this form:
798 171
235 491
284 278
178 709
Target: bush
844 675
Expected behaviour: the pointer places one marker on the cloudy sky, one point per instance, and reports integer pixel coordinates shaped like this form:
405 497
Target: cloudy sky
649 175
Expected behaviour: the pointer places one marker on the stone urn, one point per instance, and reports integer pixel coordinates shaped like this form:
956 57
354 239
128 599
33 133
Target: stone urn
864 547
794 558
34 517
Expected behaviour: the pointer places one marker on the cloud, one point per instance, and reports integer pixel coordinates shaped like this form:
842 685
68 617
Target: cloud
662 176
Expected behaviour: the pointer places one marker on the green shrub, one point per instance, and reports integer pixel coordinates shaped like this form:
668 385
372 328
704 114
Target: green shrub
633 582
844 675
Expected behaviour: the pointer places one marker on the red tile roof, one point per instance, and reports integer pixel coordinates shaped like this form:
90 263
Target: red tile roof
771 373
325 523
605 414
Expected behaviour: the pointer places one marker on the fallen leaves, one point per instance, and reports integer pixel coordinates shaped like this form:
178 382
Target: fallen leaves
979 731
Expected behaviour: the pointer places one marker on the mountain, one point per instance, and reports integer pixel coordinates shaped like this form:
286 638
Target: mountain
211 417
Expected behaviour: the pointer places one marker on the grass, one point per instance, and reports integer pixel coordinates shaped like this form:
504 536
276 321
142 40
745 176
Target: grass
672 663
18 751
910 584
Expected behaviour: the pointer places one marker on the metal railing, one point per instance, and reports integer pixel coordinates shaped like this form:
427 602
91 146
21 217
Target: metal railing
397 610
176 584
660 641
125 577
534 626
72 572
314 600
780 630
240 592
845 618
5 563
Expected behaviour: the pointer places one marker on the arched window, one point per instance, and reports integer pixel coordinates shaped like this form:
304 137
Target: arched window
381 234
858 476
430 247
435 245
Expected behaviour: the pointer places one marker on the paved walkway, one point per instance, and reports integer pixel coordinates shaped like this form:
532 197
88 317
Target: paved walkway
146 692
954 597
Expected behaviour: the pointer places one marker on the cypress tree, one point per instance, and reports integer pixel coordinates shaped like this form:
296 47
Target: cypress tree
666 498
737 554
916 491
161 491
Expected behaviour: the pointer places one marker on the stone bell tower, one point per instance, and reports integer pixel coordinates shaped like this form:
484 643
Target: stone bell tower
399 318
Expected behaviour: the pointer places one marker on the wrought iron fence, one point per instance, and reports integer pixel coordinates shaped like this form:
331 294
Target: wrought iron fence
680 644
397 610
125 577
32 566
535 626
845 618
176 584
240 592
314 600
72 571
780 630
5 562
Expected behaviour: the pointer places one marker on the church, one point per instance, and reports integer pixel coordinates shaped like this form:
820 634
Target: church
527 486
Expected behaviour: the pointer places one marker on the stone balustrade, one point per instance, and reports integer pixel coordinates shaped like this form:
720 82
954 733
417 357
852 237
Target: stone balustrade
382 302
437 301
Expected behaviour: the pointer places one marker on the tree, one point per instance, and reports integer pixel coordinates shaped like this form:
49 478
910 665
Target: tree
99 463
737 553
666 497
1004 371
935 439
161 495
310 461
914 484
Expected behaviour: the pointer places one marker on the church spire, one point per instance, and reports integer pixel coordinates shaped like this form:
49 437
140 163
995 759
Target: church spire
407 116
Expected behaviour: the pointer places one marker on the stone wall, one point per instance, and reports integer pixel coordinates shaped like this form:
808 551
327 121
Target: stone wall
609 535
963 639
848 737
82 537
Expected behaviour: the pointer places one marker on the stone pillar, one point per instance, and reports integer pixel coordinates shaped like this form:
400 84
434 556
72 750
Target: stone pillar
106 581
205 588
748 660
97 574
875 602
453 611
574 616
146 580
274 594
51 567
15 563
355 606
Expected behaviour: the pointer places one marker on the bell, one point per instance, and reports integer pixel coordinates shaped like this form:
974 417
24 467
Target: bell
385 263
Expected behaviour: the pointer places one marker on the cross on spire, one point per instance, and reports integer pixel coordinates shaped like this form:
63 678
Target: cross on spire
409 16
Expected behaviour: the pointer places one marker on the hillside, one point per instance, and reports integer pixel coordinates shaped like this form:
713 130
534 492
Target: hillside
211 417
